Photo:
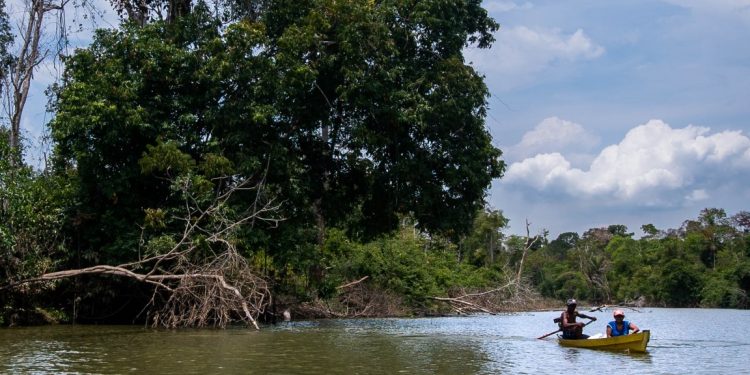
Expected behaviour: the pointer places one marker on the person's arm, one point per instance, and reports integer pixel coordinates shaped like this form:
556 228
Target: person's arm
634 328
586 316
609 331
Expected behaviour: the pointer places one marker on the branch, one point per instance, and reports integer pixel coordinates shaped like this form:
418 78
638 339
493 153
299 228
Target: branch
462 302
210 289
489 291
352 283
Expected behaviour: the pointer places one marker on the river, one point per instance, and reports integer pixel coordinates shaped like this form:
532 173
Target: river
682 341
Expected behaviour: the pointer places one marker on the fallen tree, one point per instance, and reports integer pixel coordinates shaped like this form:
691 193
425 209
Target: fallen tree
200 279
514 295
355 299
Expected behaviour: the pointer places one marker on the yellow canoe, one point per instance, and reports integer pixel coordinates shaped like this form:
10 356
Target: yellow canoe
635 342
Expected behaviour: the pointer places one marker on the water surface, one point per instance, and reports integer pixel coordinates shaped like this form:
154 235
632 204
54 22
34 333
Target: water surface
682 341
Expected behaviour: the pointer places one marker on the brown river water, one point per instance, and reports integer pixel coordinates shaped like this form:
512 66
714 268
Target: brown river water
683 341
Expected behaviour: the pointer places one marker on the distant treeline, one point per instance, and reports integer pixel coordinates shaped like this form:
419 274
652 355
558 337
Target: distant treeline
704 263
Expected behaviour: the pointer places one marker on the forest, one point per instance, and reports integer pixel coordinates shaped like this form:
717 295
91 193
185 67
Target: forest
229 162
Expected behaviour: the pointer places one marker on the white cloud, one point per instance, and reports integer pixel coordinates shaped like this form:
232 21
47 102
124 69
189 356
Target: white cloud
522 47
729 9
697 195
520 52
553 134
684 61
541 171
714 5
506 6
653 165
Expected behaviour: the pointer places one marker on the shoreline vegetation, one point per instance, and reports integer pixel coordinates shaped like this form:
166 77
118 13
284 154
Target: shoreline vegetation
365 305
409 274
235 160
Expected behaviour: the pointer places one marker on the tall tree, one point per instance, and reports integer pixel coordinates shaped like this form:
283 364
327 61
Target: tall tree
563 243
358 111
485 240
141 12
382 109
32 50
6 40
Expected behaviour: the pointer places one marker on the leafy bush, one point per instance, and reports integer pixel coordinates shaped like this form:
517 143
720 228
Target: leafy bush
405 263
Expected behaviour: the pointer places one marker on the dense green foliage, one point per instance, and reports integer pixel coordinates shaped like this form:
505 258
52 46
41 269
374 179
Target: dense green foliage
6 41
32 213
704 263
361 119
350 112
405 263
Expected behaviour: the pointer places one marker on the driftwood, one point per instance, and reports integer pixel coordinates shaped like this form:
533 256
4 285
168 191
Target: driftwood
355 299
624 307
458 302
513 296
193 290
347 285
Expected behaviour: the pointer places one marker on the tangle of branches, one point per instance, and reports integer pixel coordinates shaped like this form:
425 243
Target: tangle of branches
201 279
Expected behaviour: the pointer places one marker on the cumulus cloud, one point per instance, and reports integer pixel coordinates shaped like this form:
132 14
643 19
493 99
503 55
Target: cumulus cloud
553 134
520 52
524 48
506 6
697 195
730 6
728 9
653 165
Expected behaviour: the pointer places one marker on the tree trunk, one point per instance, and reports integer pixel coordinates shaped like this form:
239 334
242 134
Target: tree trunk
177 9
199 291
22 72
529 244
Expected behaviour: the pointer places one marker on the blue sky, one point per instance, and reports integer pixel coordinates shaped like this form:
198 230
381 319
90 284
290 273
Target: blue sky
608 112
618 112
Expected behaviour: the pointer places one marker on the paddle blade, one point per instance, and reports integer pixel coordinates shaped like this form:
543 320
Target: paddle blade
551 333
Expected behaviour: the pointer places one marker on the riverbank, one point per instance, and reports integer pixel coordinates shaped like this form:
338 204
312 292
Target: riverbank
367 302
359 301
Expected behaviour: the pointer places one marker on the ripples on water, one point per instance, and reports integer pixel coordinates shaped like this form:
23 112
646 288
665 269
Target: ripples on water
682 341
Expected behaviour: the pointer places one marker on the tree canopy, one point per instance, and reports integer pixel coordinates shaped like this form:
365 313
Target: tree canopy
352 112
360 127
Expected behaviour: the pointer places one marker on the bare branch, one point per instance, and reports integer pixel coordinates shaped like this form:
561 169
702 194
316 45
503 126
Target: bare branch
347 285
462 302
213 291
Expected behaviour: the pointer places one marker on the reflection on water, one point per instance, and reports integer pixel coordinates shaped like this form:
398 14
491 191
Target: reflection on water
474 345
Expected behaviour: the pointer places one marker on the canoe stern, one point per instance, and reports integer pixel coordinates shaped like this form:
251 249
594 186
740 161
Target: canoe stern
636 342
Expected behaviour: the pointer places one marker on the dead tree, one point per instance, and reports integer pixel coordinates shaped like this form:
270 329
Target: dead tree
509 297
516 294
354 299
529 243
32 50
202 280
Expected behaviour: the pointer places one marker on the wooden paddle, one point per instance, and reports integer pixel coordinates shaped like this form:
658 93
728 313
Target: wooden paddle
551 333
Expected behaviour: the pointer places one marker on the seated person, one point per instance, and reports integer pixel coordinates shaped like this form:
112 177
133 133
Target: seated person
620 326
570 328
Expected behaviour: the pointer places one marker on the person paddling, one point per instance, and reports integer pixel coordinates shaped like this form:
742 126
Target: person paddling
620 326
570 328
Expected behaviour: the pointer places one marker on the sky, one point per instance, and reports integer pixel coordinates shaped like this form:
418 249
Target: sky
80 22
618 112
626 112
